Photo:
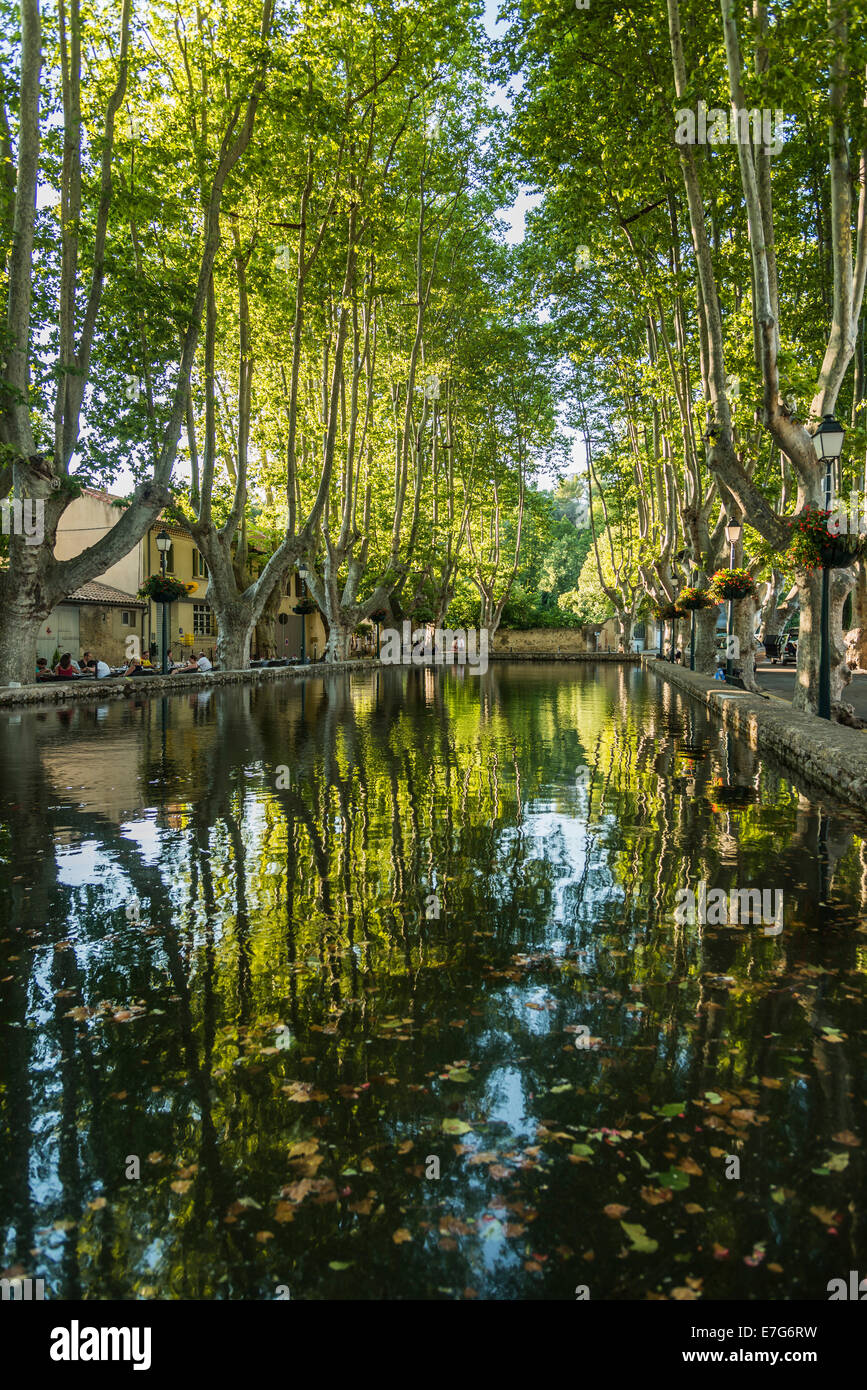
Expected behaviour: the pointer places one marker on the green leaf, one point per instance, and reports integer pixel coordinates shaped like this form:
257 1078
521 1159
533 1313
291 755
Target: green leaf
584 1150
461 1074
837 1162
456 1127
643 1161
669 1111
340 1264
674 1179
641 1242
714 1097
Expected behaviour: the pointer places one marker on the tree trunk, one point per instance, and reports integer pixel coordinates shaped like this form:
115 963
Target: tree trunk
771 619
705 641
337 648
745 626
267 626
856 637
234 635
806 695
18 636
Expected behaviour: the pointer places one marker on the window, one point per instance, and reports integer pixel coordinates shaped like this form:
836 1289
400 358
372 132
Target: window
200 569
203 620
127 618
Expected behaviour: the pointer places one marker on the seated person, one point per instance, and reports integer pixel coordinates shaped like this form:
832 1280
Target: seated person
99 669
87 665
188 665
719 674
203 663
133 667
65 668
42 668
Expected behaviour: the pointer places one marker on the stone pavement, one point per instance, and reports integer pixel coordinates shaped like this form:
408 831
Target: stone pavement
780 680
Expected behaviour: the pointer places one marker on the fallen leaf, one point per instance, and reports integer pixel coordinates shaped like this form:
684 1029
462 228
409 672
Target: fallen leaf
641 1243
825 1215
654 1196
615 1210
401 1235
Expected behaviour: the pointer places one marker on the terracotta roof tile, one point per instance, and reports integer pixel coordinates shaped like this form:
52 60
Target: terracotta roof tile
106 595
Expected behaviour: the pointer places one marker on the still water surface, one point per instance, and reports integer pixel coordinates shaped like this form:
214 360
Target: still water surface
396 922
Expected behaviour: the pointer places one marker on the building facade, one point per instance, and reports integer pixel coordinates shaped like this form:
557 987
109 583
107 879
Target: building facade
103 615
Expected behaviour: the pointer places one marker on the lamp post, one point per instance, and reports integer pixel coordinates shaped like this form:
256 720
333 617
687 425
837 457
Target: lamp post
692 569
164 545
828 444
733 535
302 575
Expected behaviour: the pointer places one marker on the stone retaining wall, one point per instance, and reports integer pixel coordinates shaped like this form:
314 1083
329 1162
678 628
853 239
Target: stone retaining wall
544 643
118 687
828 755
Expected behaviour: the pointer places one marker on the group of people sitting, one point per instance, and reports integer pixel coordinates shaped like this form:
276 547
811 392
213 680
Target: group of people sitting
192 663
69 669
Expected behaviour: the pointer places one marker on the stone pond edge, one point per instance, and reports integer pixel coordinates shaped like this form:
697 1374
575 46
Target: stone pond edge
826 755
116 688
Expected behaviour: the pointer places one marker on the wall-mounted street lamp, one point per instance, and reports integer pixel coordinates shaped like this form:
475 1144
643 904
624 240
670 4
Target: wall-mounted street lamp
164 545
733 535
693 570
302 575
828 443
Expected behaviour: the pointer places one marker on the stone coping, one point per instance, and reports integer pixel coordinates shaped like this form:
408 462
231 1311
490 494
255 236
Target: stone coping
825 754
630 658
117 687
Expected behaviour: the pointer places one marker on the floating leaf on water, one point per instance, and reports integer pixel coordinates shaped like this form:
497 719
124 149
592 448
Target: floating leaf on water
461 1074
674 1179
837 1162
641 1243
713 1097
455 1127
340 1264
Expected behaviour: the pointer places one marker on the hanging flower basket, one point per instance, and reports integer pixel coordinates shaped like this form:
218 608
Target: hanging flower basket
813 546
379 615
732 584
304 607
164 588
691 600
669 611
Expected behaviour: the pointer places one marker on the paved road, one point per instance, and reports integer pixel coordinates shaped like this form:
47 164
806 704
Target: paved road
780 680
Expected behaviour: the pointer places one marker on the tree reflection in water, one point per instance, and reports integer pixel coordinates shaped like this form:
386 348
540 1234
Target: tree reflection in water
290 1032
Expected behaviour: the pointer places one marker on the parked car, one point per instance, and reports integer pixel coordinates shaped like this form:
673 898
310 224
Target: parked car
781 649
